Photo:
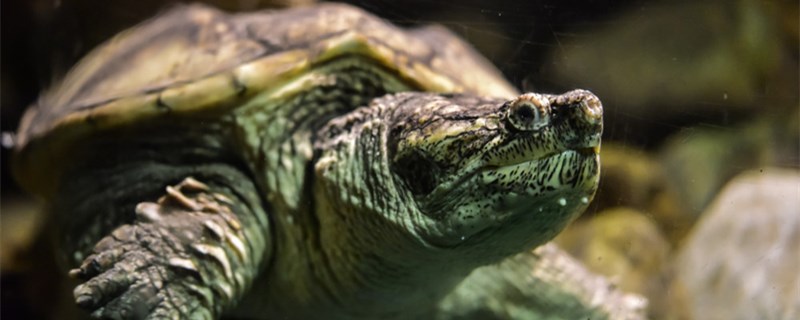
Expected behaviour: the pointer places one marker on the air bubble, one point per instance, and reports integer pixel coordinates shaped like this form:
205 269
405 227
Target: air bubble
562 202
585 200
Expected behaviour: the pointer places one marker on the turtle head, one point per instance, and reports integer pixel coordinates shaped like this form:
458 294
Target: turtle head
482 177
496 175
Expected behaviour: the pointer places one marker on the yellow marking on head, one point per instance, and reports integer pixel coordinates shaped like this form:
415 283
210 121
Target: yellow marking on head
438 133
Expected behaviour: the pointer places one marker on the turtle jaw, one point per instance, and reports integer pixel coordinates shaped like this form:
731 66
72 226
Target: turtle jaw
501 210
527 183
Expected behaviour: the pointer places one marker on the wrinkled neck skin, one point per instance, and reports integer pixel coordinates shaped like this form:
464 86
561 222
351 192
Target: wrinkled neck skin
366 228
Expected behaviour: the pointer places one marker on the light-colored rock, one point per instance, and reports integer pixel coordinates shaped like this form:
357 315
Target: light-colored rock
700 160
22 220
742 260
633 178
626 246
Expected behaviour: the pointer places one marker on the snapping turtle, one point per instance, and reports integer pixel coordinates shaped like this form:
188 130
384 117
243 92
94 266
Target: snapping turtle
311 163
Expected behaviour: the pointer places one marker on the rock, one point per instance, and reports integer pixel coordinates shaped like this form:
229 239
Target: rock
698 161
682 63
626 246
741 261
730 47
631 177
22 220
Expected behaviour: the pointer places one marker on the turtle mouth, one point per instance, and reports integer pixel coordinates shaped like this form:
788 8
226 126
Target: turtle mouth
589 151
584 151
525 164
512 193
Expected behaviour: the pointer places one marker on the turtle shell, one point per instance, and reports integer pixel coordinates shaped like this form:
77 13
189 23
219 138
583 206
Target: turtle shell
196 58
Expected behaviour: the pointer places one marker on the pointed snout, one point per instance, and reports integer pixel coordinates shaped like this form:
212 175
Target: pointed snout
581 106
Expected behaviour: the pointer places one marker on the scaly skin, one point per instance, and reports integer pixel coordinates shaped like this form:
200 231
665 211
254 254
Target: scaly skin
185 256
381 238
189 254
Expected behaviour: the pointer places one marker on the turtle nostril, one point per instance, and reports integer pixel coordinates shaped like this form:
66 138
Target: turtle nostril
592 110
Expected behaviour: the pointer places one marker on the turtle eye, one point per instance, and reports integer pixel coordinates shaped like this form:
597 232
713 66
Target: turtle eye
528 114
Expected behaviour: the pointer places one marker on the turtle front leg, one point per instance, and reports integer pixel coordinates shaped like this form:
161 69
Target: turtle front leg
188 255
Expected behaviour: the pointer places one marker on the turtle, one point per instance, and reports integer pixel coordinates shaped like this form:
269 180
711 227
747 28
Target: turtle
313 162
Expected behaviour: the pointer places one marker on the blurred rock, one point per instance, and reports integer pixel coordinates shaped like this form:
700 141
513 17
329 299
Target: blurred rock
22 219
626 246
675 63
33 285
633 178
700 160
742 259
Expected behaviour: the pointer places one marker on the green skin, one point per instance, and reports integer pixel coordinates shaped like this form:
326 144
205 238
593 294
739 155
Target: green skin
401 201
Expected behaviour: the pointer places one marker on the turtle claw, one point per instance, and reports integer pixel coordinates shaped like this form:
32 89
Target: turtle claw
138 285
100 289
137 302
149 269
123 283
